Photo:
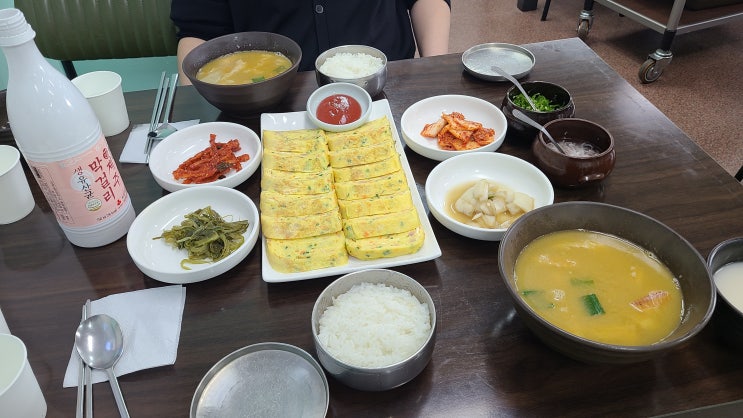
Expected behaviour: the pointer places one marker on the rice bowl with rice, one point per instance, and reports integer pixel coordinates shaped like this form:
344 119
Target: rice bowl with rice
351 65
390 314
374 325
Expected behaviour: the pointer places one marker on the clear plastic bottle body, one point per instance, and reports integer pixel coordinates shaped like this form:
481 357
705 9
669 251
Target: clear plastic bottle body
61 139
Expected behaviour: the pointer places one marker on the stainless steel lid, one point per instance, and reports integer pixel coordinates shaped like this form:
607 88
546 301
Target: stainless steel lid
263 380
515 60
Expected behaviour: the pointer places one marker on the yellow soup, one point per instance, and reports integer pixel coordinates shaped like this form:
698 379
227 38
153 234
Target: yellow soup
599 287
244 67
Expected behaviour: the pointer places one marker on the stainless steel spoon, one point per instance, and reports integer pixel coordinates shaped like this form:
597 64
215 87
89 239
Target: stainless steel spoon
522 117
516 83
100 344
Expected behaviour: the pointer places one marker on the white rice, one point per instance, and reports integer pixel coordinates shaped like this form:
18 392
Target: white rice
351 65
374 325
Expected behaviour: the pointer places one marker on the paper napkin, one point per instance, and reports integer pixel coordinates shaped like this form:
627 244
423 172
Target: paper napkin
134 148
150 321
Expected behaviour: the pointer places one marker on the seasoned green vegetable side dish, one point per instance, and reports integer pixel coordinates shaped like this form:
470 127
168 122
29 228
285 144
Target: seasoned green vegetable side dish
206 235
543 104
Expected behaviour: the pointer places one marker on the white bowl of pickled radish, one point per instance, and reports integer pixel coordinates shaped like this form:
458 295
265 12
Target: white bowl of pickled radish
478 195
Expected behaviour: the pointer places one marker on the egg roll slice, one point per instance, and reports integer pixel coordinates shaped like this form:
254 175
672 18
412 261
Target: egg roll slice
292 227
366 171
273 203
292 161
289 182
301 141
305 254
366 155
379 225
387 246
376 205
370 133
377 186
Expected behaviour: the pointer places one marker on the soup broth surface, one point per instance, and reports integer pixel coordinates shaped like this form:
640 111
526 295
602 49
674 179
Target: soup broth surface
599 287
244 67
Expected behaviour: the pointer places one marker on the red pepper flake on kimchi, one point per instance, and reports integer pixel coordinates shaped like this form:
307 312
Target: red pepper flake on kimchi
213 163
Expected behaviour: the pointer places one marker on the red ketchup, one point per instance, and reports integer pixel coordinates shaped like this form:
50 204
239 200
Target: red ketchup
339 109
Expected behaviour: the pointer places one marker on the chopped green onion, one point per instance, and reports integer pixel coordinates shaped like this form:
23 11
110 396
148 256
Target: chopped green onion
592 304
537 299
542 103
581 282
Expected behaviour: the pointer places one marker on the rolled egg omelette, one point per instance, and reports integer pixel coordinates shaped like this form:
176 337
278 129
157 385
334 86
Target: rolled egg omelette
328 195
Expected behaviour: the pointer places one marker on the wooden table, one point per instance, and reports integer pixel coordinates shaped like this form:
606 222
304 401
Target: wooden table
485 363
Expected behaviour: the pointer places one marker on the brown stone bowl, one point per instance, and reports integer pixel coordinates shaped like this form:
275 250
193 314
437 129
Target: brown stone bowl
553 92
243 99
575 170
673 250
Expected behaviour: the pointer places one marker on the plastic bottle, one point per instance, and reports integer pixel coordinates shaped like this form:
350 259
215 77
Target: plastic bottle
60 137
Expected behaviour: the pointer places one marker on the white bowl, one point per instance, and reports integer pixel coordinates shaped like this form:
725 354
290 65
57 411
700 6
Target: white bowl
504 169
187 142
429 110
160 261
352 90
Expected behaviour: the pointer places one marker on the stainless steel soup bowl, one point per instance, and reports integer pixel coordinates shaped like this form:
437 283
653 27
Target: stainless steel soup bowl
686 264
372 83
379 378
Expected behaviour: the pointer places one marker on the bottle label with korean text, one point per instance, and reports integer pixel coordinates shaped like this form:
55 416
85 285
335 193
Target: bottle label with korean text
84 190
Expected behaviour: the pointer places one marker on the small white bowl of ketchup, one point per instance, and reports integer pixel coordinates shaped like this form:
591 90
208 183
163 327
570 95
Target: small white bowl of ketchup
338 107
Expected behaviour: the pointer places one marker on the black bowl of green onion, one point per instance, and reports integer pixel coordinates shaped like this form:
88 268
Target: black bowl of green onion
552 101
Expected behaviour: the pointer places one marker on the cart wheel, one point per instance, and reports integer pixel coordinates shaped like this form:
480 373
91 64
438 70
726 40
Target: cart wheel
648 71
583 27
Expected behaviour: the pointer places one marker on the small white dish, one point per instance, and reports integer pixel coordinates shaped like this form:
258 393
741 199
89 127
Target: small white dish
429 110
160 261
358 93
504 169
185 143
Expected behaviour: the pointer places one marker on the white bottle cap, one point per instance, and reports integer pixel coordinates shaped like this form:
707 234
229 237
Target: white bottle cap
14 30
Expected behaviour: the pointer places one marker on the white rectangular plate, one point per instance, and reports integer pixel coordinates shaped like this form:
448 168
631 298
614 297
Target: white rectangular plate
430 250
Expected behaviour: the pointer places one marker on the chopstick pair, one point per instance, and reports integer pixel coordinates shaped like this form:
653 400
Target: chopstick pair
84 380
165 94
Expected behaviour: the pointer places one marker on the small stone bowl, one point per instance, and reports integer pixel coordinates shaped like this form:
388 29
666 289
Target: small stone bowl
728 318
555 93
572 170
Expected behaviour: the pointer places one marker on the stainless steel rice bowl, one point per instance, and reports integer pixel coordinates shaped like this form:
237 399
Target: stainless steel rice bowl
380 378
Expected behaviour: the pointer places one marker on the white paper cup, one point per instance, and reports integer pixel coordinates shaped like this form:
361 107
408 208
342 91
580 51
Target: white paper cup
104 93
20 394
17 200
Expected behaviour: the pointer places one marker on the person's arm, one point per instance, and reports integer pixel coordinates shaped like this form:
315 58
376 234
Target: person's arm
185 45
197 21
431 20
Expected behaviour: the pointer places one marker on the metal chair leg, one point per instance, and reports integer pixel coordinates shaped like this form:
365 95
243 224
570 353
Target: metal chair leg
545 10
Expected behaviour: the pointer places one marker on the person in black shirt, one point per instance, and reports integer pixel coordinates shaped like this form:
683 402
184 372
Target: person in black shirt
398 28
